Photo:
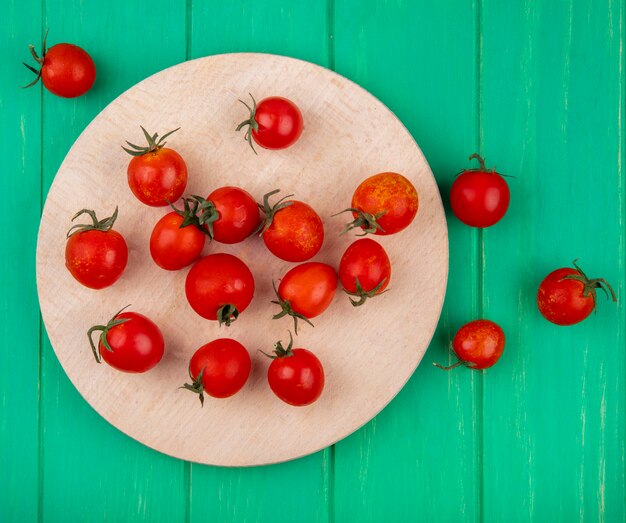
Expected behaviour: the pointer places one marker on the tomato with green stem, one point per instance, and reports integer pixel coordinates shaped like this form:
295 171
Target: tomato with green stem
292 230
219 287
157 175
479 197
178 237
95 253
219 368
477 345
364 270
274 123
237 215
305 292
567 296
129 342
296 376
66 70
383 204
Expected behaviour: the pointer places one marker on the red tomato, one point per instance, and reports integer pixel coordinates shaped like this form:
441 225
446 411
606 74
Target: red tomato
174 245
130 342
296 376
479 198
66 70
478 345
306 291
383 204
157 175
275 123
95 254
219 287
293 231
219 368
566 296
238 214
364 270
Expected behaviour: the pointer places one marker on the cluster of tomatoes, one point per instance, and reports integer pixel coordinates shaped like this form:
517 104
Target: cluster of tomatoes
480 198
220 286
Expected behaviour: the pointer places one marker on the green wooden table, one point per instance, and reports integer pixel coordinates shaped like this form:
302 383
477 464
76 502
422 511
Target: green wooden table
538 88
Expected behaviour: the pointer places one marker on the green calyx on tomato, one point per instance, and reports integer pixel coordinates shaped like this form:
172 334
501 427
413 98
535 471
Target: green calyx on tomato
227 314
196 386
98 225
250 122
154 143
362 294
104 329
198 212
280 351
38 59
591 284
364 220
270 210
288 310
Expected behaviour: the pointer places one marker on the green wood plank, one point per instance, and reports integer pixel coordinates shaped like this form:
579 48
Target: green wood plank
299 490
20 128
92 472
552 98
418 460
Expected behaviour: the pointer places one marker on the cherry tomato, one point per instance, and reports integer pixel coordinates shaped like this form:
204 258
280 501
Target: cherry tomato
157 175
219 287
478 345
130 342
306 291
219 368
364 270
274 123
293 231
66 70
95 254
178 238
238 214
566 296
296 376
479 197
383 204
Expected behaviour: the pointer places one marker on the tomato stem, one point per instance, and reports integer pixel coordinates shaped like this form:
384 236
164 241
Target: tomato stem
368 222
250 122
270 210
363 295
39 59
227 314
154 143
449 367
591 284
481 162
196 386
192 216
104 330
103 225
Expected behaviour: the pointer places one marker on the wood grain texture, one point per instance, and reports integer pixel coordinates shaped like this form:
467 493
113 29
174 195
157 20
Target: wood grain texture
84 458
391 470
554 407
20 129
252 427
246 494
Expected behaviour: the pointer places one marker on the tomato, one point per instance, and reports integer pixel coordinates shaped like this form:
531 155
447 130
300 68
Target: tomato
238 214
178 238
219 287
219 368
383 204
130 342
296 376
95 254
292 231
306 291
274 123
157 175
479 197
364 270
478 345
566 296
66 70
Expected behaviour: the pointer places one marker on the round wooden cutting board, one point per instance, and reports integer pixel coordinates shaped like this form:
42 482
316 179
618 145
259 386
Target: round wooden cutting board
368 352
